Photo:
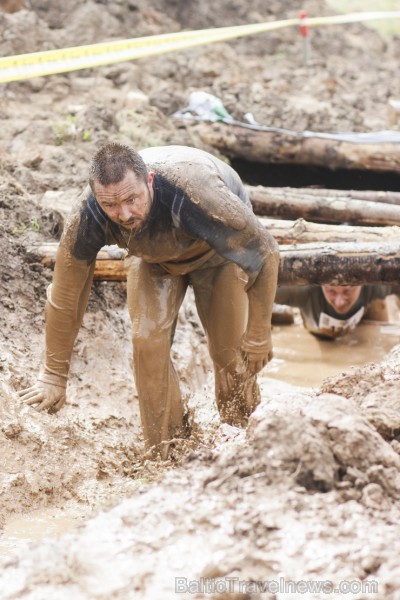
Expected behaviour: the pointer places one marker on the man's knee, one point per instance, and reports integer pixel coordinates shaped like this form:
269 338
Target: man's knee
151 344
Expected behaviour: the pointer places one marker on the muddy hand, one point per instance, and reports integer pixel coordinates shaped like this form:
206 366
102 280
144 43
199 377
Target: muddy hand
256 362
46 396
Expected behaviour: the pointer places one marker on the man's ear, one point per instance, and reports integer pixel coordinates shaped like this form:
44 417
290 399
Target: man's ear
150 178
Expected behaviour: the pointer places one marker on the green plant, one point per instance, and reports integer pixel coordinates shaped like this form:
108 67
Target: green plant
21 228
65 129
86 135
34 224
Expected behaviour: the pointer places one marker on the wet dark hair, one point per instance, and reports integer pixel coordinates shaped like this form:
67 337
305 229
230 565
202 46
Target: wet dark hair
111 162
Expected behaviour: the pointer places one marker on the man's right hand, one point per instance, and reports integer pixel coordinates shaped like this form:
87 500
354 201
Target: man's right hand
46 396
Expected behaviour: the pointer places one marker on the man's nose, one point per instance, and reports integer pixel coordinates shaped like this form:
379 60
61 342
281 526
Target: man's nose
340 301
124 213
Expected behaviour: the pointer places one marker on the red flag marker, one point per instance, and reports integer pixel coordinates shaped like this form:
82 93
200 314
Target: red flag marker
303 23
304 34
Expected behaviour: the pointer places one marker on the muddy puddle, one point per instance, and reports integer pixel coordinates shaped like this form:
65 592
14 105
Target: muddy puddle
304 360
35 525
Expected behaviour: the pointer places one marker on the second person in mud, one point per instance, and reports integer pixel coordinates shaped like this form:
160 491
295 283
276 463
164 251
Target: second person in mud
184 218
331 311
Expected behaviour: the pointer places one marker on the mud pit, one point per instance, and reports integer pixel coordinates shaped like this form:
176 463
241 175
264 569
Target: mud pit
309 492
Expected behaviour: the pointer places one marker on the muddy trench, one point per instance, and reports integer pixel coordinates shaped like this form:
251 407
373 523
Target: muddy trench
308 492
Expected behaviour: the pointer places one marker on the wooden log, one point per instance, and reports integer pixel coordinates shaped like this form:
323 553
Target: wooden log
386 197
303 232
340 264
272 202
110 270
281 146
284 232
62 201
337 263
107 269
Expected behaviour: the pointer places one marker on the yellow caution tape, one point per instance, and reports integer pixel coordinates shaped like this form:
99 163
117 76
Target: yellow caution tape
37 64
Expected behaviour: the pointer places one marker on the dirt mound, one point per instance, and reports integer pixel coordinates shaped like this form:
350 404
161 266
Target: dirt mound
373 388
258 491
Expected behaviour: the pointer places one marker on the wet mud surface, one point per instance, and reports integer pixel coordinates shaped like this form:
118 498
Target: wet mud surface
296 352
310 490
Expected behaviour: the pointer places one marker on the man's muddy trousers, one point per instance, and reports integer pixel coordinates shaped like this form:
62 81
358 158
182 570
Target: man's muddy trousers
154 299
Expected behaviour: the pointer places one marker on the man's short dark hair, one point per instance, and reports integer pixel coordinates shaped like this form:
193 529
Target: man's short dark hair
111 162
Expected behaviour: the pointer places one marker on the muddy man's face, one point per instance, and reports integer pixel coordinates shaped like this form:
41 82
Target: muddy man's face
341 297
127 202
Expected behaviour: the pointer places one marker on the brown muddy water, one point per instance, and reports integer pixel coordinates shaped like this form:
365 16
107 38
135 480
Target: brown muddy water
304 360
35 525
300 359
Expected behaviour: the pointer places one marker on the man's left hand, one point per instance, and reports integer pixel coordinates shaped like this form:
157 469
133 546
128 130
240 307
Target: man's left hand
256 361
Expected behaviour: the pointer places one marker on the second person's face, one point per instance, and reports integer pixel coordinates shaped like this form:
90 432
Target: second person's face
341 297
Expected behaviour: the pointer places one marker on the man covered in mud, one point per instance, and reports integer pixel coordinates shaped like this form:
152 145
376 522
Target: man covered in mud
330 311
184 218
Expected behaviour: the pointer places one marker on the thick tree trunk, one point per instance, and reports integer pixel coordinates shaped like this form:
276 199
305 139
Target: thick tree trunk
335 263
273 202
291 148
340 264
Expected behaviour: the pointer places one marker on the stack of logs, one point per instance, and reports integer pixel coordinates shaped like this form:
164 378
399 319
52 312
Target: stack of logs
318 248
358 240
338 237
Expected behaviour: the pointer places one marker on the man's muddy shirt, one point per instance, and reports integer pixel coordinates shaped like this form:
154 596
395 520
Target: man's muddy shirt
320 318
200 217
185 229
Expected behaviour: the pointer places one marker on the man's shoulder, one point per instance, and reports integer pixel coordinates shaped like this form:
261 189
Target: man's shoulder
81 202
85 231
173 153
85 208
178 161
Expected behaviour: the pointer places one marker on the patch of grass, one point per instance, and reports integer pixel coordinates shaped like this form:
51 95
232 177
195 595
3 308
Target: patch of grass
21 228
65 129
